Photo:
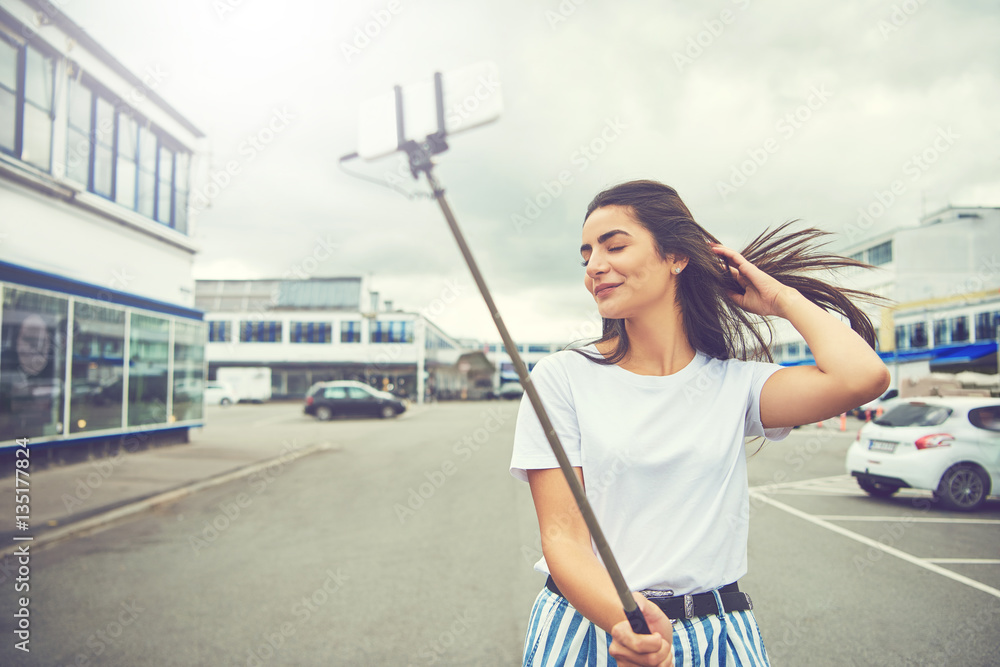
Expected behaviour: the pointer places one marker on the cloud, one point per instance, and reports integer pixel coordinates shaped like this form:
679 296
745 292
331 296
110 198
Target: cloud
891 90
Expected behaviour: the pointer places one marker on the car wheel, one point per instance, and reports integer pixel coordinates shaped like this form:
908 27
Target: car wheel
225 401
387 412
324 413
962 488
877 490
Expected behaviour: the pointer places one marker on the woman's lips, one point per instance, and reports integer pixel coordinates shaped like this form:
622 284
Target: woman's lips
605 290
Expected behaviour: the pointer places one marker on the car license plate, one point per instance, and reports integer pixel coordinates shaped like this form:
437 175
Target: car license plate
882 446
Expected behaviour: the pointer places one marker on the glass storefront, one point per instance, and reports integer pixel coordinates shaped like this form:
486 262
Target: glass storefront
123 366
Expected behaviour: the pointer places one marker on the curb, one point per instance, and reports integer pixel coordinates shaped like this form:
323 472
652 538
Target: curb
96 522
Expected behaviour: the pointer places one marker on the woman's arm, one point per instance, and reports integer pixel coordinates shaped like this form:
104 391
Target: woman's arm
576 569
582 578
847 371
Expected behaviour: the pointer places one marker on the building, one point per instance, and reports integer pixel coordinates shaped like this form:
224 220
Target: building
530 354
101 344
941 278
308 331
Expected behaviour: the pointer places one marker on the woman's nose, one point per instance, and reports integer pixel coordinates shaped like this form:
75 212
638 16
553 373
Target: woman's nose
596 266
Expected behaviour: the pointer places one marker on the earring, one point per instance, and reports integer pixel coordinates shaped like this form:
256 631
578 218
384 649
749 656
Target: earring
677 270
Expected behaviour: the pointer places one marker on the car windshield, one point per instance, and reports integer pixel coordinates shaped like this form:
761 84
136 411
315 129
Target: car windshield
914 414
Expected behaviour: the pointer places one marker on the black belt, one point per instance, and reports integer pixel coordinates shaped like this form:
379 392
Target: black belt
690 606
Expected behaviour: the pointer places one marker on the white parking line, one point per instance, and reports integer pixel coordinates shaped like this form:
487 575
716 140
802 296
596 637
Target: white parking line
803 483
902 555
908 519
965 561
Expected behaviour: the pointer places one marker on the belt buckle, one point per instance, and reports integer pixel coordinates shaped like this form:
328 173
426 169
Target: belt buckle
749 601
688 606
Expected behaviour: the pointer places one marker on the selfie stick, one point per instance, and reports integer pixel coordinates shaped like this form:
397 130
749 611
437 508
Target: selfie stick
420 162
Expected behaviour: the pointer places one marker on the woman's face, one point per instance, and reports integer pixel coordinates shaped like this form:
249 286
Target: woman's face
625 273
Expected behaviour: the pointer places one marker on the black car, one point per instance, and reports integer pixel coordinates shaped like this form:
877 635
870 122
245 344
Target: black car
355 399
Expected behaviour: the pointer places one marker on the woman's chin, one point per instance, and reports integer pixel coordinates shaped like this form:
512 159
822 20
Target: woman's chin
611 313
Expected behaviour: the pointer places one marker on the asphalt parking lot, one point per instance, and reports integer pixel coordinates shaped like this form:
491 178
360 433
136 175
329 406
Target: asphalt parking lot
856 580
433 543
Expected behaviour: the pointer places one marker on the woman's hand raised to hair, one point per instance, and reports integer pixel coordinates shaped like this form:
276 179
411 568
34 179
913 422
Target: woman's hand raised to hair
763 295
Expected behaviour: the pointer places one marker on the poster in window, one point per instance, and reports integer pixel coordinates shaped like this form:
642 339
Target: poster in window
32 364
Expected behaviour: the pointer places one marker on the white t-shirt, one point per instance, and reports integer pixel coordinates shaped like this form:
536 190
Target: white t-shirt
663 458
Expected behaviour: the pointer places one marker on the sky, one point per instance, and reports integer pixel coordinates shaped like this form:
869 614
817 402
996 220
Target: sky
756 112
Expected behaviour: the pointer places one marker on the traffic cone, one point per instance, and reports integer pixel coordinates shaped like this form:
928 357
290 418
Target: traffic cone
843 421
878 413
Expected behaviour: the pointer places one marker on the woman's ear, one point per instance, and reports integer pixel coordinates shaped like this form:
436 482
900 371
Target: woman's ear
679 262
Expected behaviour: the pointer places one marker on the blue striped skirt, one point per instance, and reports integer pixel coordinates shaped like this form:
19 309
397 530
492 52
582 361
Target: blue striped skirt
560 635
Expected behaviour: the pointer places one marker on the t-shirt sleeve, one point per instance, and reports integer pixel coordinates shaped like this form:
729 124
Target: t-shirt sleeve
531 447
754 428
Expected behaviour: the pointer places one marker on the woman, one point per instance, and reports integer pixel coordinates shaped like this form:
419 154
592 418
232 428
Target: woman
653 416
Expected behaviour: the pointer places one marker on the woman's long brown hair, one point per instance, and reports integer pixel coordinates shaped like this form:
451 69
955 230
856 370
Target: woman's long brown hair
714 324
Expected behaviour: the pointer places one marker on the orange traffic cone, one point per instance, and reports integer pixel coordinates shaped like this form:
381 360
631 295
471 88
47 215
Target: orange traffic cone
878 413
843 421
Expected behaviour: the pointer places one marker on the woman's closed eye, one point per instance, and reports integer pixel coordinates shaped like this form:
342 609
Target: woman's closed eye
615 249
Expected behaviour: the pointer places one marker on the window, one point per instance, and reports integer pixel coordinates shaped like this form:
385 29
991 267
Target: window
181 184
538 348
987 418
103 133
858 256
940 332
149 354
959 329
32 364
311 332
918 334
128 149
189 371
880 254
902 338
147 172
219 332
792 350
392 332
358 394
114 153
98 368
260 332
914 414
8 95
350 332
165 189
78 133
985 328
335 392
27 82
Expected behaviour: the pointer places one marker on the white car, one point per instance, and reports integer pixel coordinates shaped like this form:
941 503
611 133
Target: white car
217 393
946 444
